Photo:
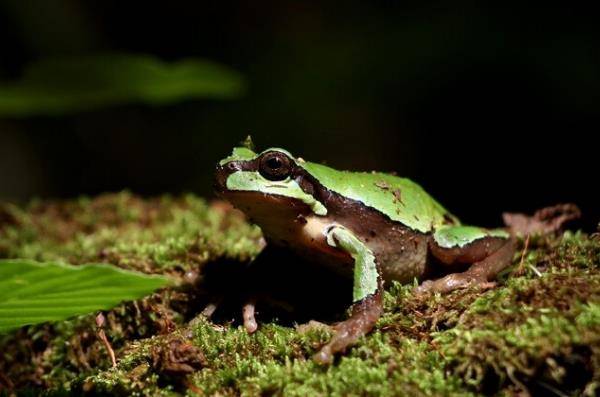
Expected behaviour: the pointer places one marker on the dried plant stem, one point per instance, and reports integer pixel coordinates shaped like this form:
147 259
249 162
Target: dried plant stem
100 320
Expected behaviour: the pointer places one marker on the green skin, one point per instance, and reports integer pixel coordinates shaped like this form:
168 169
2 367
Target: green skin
377 226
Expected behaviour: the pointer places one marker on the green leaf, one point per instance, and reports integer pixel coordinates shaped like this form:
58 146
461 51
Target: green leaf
34 292
73 84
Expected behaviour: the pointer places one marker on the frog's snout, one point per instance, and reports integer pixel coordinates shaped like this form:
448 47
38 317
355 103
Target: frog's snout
220 179
222 172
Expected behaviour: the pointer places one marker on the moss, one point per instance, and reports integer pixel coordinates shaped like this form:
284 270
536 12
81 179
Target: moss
277 359
537 330
149 235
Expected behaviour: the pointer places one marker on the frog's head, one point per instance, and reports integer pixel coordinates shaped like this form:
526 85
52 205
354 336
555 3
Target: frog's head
267 186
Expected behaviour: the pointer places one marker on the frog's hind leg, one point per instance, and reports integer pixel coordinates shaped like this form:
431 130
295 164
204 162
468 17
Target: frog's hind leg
488 252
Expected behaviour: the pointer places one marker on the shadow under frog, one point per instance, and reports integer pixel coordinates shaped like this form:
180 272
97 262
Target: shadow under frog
290 289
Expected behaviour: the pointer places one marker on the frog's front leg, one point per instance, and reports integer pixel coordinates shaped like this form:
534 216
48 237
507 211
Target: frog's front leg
367 295
488 252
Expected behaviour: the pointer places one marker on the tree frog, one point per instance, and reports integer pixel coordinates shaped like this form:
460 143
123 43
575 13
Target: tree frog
373 226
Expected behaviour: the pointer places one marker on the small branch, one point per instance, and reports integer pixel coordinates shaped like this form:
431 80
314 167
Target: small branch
100 320
521 269
5 381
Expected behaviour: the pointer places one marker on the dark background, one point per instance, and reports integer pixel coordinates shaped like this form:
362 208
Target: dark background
490 109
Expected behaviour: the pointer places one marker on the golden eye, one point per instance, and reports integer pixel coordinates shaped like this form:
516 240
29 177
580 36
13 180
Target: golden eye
275 166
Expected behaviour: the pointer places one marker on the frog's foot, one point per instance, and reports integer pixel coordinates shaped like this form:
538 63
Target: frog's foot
362 320
453 282
248 314
481 272
545 221
310 326
209 309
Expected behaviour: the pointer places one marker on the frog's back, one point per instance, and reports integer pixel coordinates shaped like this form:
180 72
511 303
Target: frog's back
400 199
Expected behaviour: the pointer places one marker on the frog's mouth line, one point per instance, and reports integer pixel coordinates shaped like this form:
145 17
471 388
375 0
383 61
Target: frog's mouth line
276 204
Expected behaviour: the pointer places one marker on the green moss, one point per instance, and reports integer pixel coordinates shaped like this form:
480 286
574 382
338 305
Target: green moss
277 360
538 329
149 235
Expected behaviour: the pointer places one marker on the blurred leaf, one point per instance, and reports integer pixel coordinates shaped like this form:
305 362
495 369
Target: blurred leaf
68 85
34 292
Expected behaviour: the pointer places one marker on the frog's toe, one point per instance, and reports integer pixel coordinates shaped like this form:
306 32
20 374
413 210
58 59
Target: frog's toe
209 309
324 356
310 326
249 320
450 283
424 288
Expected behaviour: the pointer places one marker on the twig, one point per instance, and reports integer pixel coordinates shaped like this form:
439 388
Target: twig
551 388
100 320
512 376
521 268
5 380
195 389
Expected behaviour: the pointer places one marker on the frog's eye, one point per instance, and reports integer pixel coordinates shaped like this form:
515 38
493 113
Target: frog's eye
274 166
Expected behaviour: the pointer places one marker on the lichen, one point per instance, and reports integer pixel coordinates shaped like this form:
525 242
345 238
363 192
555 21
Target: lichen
536 330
